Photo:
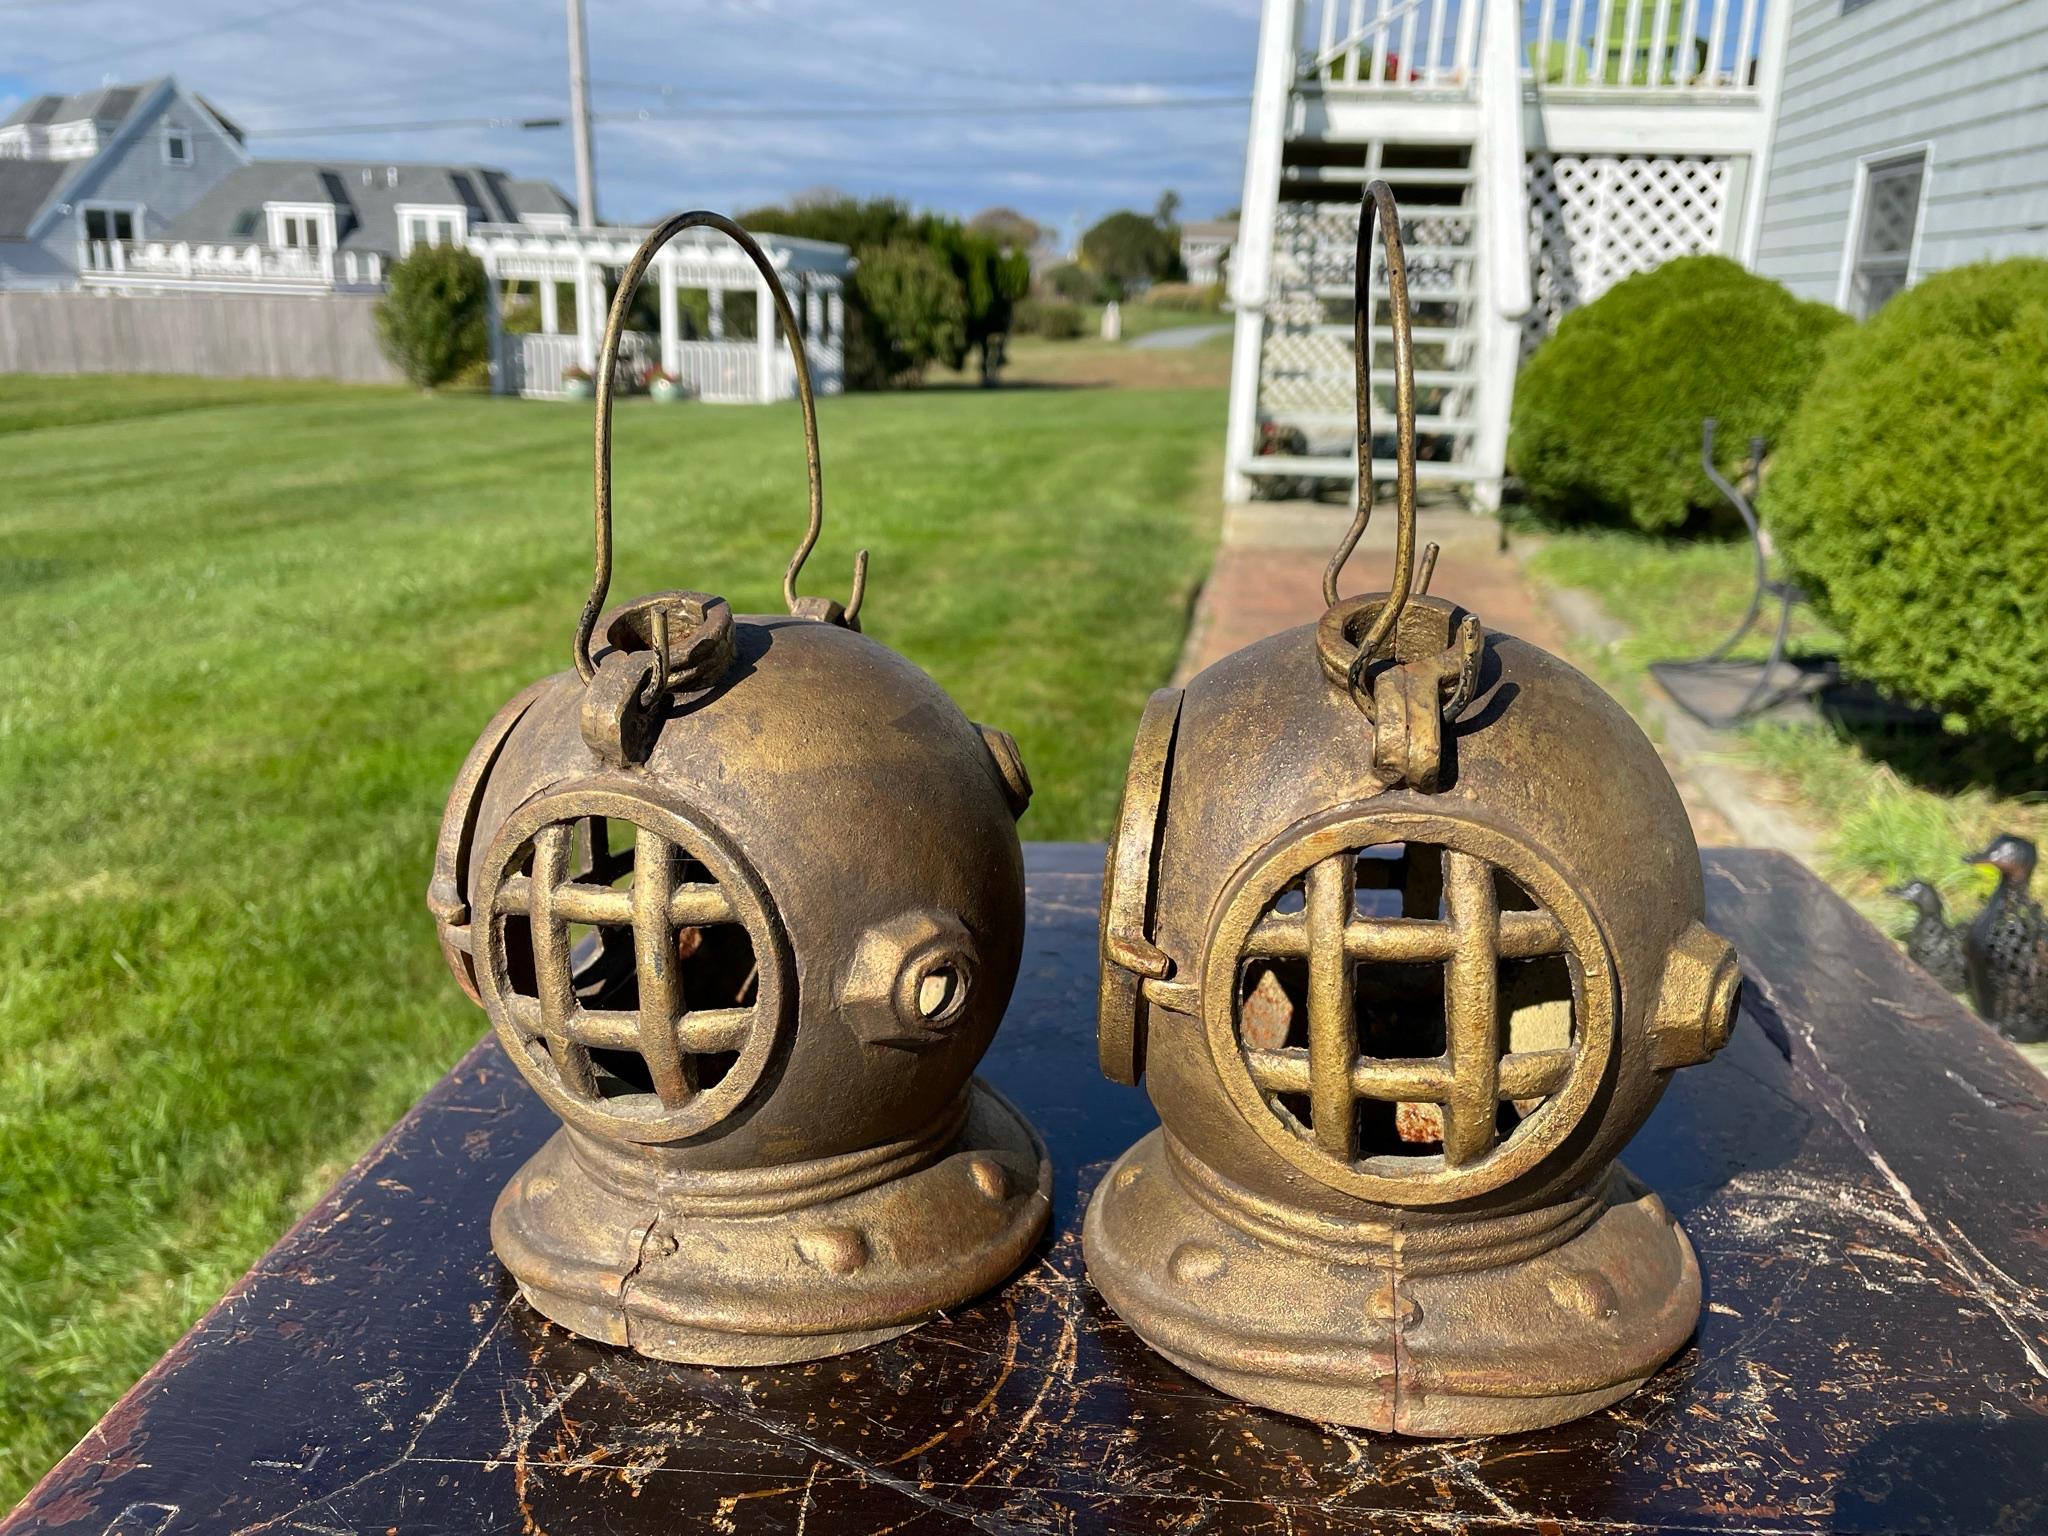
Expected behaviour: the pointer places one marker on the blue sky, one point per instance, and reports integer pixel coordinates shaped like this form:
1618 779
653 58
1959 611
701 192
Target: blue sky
817 82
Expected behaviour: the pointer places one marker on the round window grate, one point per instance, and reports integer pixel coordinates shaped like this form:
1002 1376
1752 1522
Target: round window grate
642 988
1409 1007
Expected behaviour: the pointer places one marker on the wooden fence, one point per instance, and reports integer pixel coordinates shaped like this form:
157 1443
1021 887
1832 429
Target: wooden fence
221 335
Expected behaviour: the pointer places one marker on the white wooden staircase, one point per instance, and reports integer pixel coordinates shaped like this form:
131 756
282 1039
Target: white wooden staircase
1306 371
1540 151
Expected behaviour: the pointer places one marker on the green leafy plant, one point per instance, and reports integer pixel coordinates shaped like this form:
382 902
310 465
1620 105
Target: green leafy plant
434 320
1907 495
918 305
1606 422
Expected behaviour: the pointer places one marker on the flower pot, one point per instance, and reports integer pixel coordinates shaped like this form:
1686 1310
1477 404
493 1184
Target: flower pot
665 389
578 389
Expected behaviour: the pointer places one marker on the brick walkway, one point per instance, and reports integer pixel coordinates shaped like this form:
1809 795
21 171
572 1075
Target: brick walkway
1268 577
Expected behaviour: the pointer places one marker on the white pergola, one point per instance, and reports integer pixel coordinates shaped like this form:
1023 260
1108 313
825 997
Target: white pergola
813 272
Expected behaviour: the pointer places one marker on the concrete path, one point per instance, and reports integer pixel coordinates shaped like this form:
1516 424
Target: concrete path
1180 336
1268 577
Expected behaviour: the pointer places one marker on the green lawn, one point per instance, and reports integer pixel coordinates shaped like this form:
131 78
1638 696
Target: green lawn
251 631
1891 808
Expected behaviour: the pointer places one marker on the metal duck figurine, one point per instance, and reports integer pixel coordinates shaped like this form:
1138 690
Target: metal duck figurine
1402 930
2005 948
744 900
1932 943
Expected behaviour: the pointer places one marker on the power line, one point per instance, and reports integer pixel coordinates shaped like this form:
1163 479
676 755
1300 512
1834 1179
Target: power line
422 125
848 110
934 109
1029 82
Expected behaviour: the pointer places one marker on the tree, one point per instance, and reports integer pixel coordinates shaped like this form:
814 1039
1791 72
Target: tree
992 279
917 304
434 320
858 225
1167 214
1128 250
1008 228
990 274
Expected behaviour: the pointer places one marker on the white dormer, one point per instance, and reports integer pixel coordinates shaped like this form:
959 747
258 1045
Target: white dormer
301 226
50 141
430 224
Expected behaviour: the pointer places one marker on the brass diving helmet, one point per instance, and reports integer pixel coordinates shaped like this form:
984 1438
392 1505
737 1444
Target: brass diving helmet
743 898
1402 929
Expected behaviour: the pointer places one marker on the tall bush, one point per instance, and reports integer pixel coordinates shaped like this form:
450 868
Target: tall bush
917 303
434 319
1909 495
1606 422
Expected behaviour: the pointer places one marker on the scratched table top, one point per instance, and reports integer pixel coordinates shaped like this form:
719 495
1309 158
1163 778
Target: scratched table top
1862 1172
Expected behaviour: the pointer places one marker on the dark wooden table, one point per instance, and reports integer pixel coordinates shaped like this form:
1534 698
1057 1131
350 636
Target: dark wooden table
1862 1171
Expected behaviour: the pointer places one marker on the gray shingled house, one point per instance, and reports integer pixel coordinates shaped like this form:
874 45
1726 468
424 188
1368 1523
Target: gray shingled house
81 174
327 223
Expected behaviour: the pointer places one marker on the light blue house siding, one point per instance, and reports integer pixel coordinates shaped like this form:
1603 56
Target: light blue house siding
1912 136
134 171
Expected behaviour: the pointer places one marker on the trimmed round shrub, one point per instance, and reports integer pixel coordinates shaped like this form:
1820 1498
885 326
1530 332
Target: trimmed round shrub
1911 497
1606 423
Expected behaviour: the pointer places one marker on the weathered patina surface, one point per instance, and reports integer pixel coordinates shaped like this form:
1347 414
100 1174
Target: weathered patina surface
1403 930
1862 1171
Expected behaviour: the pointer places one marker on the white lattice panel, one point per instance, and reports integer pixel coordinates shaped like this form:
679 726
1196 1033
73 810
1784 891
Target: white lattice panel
1306 366
1306 371
1596 219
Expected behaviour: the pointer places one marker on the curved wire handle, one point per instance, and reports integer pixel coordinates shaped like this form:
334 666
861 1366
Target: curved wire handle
1379 200
607 366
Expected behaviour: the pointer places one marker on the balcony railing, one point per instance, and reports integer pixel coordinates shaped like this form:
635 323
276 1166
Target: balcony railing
1633 46
111 262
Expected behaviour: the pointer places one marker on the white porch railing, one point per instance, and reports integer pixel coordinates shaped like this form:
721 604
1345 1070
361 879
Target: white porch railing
719 370
723 372
119 262
1634 45
534 364
1576 45
1396 44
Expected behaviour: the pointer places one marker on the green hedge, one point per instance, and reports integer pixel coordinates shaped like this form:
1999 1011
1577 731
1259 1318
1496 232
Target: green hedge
1054 319
1606 423
1909 496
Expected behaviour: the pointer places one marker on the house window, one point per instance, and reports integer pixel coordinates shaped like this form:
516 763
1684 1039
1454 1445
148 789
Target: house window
105 227
177 147
433 228
301 232
1882 255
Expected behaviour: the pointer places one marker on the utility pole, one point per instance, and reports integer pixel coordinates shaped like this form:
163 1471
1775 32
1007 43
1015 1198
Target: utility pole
579 119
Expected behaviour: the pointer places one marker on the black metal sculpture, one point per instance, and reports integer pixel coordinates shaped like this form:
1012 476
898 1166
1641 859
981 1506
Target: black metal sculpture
1772 686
